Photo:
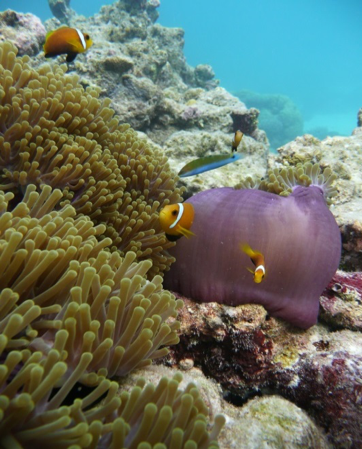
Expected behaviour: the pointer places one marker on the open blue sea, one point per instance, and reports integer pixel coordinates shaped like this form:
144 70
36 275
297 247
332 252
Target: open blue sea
306 53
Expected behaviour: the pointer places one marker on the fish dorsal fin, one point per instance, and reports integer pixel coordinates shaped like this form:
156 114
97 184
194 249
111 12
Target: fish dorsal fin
49 33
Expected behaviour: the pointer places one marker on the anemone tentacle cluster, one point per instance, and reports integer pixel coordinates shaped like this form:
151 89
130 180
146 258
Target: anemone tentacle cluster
55 132
282 181
73 185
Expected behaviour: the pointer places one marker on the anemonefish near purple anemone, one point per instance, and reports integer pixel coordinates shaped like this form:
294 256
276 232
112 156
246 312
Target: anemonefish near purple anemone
298 236
258 260
176 220
65 40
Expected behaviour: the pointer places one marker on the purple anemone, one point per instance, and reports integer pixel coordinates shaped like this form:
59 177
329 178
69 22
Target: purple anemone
297 235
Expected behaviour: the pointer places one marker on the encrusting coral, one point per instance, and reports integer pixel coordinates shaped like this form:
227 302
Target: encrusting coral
54 132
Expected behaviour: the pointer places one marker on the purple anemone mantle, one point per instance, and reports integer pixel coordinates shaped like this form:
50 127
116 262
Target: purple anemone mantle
297 235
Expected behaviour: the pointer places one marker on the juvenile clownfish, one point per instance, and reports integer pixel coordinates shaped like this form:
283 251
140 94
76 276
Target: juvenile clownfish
237 139
176 220
258 260
65 40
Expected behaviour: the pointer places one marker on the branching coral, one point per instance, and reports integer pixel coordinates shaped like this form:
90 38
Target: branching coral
32 413
282 181
54 132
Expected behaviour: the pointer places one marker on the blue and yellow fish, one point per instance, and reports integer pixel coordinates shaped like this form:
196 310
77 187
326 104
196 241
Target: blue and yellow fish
66 40
176 220
208 163
258 260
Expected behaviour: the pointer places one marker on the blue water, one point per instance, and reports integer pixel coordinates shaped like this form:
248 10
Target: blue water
307 50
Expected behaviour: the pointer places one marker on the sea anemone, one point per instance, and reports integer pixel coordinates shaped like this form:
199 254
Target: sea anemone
33 413
297 235
53 132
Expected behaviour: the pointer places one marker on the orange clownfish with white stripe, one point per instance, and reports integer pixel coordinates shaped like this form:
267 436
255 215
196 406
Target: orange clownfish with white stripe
258 260
176 220
65 40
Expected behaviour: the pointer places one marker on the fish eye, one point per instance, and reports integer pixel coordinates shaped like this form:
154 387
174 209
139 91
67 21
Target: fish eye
86 37
174 212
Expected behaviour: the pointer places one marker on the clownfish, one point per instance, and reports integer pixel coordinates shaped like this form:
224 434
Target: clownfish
237 139
65 40
258 260
176 220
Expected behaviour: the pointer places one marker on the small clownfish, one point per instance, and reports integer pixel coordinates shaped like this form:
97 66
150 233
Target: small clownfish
65 40
258 260
176 220
236 141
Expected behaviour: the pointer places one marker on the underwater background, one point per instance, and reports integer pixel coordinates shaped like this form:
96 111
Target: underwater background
97 297
297 62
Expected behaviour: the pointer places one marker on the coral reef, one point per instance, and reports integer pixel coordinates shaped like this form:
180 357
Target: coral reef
141 66
279 116
270 418
105 181
251 354
26 31
56 133
341 302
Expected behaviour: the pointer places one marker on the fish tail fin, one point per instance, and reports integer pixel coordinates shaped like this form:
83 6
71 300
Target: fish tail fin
185 232
246 249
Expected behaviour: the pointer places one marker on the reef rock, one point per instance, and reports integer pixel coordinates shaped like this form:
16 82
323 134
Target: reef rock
250 354
61 9
270 418
341 302
26 31
140 64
